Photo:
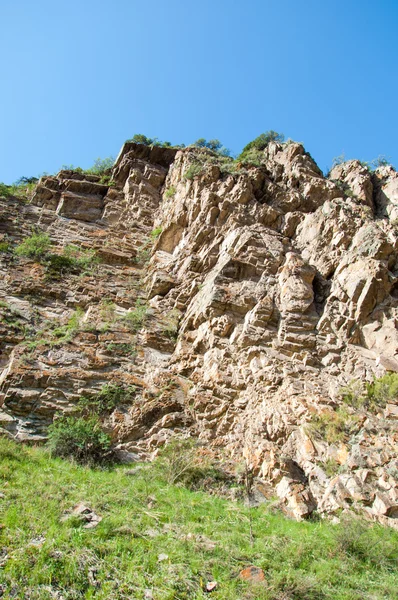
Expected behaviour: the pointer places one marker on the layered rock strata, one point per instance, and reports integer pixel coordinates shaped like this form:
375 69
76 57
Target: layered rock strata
266 290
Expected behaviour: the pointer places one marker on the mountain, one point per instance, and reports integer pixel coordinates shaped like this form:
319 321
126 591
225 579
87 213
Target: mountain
251 304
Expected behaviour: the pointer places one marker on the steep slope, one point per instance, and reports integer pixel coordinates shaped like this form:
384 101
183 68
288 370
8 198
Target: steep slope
237 300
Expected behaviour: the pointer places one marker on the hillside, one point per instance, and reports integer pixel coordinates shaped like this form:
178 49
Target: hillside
227 301
71 532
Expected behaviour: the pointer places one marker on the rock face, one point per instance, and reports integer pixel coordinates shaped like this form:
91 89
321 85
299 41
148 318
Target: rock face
238 305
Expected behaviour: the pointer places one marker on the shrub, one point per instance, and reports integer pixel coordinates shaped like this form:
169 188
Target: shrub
172 324
193 171
121 348
371 396
5 190
261 142
71 168
36 246
107 180
334 426
101 165
214 145
107 399
383 390
5 247
81 439
380 161
140 138
181 462
338 160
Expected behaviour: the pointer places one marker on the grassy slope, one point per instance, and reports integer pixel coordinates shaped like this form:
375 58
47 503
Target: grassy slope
143 517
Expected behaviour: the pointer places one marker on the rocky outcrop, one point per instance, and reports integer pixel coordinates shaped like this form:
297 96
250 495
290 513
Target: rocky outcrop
237 304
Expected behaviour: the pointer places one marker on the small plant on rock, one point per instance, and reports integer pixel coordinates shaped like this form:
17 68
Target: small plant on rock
107 399
36 246
135 318
193 171
170 192
155 233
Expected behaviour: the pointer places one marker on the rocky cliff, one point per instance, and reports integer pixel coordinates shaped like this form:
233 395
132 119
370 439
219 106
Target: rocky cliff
237 302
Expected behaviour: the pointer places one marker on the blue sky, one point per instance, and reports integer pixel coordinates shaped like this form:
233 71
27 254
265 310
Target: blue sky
80 77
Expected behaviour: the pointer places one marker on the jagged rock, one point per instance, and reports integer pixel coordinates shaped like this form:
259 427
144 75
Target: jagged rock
285 287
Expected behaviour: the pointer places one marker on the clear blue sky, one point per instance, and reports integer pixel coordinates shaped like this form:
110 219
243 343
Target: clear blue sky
80 77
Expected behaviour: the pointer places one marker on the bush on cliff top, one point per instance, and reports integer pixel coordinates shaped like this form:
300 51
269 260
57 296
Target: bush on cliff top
261 142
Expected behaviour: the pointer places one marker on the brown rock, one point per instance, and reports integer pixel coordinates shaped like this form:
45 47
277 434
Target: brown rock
252 574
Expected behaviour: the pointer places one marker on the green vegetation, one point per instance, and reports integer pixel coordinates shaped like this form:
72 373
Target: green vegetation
339 425
80 438
21 189
170 192
36 246
165 541
122 349
72 259
171 325
140 138
259 144
194 169
155 233
66 333
135 318
5 247
5 190
214 145
372 396
106 400
334 425
101 166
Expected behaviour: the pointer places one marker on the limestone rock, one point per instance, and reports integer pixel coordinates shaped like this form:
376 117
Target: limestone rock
237 307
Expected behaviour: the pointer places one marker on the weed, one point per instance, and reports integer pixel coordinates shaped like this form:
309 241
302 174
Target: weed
72 260
260 143
101 165
330 466
371 396
155 233
170 192
5 247
65 333
135 318
121 349
140 138
383 390
5 190
108 310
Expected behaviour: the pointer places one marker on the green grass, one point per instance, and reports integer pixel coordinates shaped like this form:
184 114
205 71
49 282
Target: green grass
143 517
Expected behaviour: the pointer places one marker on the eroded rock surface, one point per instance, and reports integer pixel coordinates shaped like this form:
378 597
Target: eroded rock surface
265 292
